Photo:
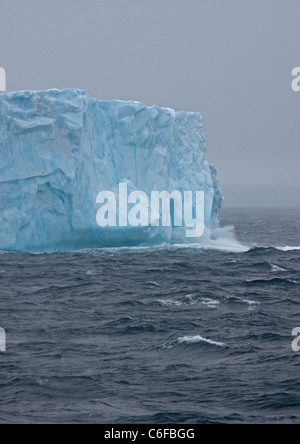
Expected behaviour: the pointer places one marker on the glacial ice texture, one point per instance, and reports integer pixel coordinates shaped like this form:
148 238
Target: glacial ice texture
59 149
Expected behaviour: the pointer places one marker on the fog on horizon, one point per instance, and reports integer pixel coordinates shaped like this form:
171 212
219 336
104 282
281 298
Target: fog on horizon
231 61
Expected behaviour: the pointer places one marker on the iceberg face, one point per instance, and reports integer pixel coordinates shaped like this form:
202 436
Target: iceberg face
59 149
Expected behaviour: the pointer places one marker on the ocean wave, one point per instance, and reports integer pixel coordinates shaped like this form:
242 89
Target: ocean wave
193 299
276 280
169 303
192 340
264 248
153 284
222 240
237 300
197 339
287 248
276 268
190 299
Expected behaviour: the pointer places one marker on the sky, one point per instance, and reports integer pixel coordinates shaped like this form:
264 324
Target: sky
230 60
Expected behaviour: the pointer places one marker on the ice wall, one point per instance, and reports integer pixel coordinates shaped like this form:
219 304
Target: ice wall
59 149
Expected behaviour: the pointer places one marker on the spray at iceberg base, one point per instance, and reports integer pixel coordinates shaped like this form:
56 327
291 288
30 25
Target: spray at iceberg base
60 149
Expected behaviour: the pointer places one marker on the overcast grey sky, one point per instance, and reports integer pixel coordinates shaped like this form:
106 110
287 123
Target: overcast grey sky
231 60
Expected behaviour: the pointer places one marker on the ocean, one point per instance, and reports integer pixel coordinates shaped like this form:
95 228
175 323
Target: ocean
170 335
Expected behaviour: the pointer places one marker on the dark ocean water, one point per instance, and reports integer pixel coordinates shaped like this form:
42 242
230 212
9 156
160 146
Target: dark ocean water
173 335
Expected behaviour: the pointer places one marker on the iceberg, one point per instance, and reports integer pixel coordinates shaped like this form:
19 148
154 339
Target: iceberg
59 149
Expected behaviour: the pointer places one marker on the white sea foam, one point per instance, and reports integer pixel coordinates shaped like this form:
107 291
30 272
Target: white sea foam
195 300
169 302
276 268
209 302
199 339
220 239
191 299
235 299
251 303
287 248
191 340
154 284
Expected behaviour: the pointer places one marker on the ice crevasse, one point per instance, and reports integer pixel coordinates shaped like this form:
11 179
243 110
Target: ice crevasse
59 149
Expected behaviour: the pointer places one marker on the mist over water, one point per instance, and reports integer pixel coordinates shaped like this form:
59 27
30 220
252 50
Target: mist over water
173 334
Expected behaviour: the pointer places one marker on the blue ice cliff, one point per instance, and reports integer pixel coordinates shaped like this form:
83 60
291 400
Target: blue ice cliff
59 149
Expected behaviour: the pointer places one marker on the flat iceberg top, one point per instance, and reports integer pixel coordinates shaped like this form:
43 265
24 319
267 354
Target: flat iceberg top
59 149
70 93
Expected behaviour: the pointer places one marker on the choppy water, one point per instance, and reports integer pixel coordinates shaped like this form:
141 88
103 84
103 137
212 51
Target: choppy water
169 335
